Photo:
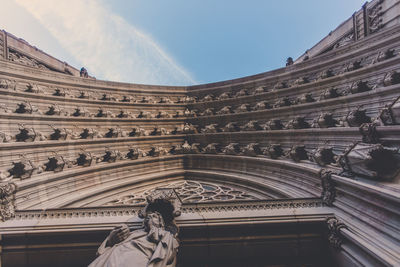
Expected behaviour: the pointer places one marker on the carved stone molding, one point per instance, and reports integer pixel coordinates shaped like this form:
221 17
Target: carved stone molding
335 238
7 200
186 208
328 193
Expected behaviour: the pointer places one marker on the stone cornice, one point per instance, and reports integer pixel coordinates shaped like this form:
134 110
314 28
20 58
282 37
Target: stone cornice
186 209
77 101
323 105
81 142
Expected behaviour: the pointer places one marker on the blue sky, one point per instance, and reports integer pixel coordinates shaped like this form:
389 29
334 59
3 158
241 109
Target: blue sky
176 42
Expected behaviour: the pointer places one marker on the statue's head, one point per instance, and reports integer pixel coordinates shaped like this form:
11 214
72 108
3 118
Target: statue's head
155 219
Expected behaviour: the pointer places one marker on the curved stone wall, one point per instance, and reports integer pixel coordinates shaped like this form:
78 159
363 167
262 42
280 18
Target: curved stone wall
327 127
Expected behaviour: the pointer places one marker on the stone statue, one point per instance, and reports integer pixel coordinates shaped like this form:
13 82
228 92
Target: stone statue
153 245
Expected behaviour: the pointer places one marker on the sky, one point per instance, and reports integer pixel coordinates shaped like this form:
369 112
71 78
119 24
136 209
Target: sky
175 42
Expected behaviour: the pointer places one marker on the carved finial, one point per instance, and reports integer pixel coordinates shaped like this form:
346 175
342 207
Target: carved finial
328 193
7 200
335 238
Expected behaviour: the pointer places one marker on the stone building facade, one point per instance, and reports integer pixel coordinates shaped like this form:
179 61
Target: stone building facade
295 166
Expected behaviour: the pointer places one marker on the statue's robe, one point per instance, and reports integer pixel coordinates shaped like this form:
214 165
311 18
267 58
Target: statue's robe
156 248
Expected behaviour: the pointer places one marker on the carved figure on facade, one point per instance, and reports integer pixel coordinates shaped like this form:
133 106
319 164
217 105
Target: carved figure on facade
355 65
297 153
138 131
54 109
242 92
274 151
5 137
369 133
7 199
326 74
391 78
252 125
22 169
135 153
162 114
328 193
224 95
81 112
325 120
242 108
280 85
165 100
144 115
208 112
8 84
390 114
373 161
25 134
330 93
335 238
274 124
213 148
189 113
252 149
232 149
259 90
298 122
207 98
33 88
384 55
55 163
188 128
283 102
58 133
212 128
110 155
306 98
231 127
84 159
153 245
323 156
356 117
360 87
90 133
301 81
84 95
225 110
375 17
25 107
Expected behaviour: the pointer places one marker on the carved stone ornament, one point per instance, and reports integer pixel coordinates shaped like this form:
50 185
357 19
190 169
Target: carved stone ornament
153 245
330 93
213 148
325 120
391 78
262 105
231 149
22 169
371 160
231 127
297 153
369 133
252 149
225 110
274 124
7 200
328 193
252 125
259 90
212 128
360 87
223 96
335 238
391 114
208 112
323 156
357 117
207 98
297 123
274 151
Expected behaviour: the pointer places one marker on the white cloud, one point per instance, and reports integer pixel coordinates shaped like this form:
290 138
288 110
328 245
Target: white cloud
107 45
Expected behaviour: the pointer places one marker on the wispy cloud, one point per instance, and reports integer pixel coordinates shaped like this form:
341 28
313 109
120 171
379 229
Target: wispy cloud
105 43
